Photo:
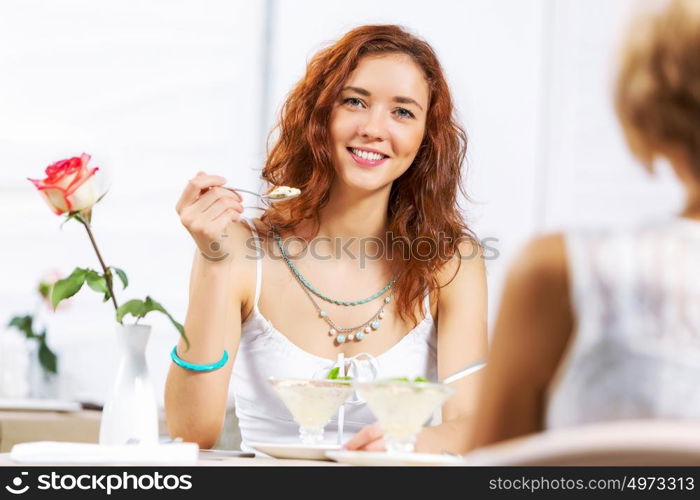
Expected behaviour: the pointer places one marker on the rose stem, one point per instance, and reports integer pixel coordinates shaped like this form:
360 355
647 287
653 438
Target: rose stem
108 273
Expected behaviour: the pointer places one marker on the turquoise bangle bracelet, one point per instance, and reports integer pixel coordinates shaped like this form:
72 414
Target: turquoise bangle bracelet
195 367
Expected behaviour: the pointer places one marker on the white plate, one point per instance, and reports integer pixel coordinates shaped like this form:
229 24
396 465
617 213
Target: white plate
374 458
295 450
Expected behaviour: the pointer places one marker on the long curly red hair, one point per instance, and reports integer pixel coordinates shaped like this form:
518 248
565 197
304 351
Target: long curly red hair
423 204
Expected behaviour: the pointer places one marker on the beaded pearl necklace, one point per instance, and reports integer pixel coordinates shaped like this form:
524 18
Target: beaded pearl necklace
339 334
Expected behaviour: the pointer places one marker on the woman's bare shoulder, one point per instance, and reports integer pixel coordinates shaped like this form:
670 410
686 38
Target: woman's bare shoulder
467 261
543 261
462 279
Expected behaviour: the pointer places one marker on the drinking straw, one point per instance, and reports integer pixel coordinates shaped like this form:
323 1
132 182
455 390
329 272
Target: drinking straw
467 370
464 372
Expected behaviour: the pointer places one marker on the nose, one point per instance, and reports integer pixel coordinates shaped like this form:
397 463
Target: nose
373 126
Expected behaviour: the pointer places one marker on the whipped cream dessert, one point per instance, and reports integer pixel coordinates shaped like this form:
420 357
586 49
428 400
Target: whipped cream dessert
312 403
280 192
402 408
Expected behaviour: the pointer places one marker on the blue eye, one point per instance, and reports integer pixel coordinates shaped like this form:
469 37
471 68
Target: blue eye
353 102
404 113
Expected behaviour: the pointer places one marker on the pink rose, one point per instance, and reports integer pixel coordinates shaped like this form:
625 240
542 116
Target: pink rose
69 185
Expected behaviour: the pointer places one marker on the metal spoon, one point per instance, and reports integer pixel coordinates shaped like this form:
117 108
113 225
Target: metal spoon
265 197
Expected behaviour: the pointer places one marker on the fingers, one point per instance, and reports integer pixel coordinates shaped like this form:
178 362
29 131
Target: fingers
376 445
223 208
205 209
195 186
209 206
216 201
207 200
238 195
366 436
207 227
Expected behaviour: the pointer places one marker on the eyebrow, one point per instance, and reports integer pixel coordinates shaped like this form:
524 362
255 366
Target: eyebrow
399 99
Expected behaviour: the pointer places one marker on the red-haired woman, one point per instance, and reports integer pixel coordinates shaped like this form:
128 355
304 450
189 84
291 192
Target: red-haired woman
372 257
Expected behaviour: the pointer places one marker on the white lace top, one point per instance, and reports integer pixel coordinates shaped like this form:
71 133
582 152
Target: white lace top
636 349
266 352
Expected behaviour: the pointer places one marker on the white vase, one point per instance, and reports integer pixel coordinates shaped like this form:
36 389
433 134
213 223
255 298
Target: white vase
130 415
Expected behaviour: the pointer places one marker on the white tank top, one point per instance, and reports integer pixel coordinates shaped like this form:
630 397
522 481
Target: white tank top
636 349
266 352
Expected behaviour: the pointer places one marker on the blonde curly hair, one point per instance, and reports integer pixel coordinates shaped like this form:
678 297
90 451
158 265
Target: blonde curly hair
657 93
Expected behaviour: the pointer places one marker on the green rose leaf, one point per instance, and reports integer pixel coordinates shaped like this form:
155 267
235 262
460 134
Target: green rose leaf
23 324
44 290
97 282
139 308
68 287
47 358
122 277
135 307
152 305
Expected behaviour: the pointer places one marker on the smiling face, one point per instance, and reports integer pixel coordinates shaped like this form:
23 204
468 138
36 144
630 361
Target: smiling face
378 121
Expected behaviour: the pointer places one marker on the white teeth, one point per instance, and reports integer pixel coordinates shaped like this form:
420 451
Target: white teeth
367 155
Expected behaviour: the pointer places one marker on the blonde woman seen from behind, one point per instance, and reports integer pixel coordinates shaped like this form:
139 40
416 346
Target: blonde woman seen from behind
597 326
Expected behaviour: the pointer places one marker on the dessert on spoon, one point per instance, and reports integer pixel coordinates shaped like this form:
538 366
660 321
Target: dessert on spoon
278 193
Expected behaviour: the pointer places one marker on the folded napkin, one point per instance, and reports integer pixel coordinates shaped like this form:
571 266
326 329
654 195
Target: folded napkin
54 452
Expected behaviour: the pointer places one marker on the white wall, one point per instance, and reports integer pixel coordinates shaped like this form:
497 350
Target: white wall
588 175
154 91
158 90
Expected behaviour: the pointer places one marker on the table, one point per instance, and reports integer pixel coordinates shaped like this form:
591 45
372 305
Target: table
23 426
84 427
209 461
